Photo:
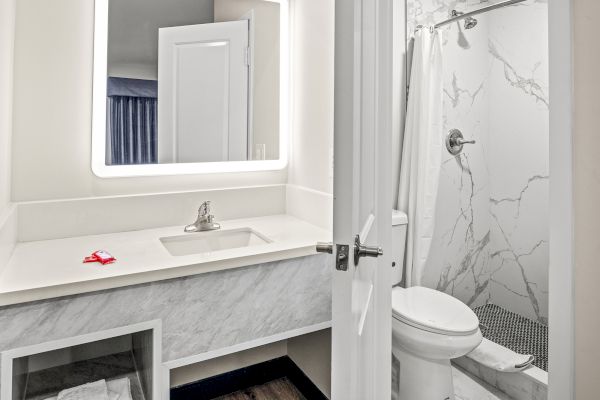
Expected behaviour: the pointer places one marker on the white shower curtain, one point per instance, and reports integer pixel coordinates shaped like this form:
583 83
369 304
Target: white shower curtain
422 151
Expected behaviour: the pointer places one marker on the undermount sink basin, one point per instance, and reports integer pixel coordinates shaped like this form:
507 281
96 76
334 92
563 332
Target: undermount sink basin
207 242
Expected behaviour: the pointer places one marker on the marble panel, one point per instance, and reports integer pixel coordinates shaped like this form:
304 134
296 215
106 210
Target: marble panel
199 313
491 238
517 385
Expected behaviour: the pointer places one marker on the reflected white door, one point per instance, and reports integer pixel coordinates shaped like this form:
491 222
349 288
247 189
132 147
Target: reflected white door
361 335
203 93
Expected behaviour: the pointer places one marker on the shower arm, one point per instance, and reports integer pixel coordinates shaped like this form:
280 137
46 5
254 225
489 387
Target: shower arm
476 12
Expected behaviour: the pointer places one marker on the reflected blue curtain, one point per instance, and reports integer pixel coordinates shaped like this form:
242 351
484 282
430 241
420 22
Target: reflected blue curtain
131 134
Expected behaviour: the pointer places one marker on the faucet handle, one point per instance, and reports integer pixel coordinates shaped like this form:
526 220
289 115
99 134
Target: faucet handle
204 209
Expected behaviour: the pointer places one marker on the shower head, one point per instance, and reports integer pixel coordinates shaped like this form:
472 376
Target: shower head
470 22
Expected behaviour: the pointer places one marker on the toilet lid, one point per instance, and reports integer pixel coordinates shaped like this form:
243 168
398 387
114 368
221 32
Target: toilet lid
433 311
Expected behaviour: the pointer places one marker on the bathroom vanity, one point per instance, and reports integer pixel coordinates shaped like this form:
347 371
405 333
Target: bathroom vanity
133 169
198 304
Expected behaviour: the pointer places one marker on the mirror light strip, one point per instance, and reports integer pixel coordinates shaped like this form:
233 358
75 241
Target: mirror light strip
98 150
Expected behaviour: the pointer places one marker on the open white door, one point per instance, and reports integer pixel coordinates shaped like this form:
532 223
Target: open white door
203 93
362 330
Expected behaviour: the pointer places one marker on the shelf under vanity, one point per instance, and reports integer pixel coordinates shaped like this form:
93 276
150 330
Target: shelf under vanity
126 360
230 303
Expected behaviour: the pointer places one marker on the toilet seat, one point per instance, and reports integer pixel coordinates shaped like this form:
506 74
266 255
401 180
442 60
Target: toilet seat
433 311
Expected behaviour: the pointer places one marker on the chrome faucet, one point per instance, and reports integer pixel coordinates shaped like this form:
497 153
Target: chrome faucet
205 221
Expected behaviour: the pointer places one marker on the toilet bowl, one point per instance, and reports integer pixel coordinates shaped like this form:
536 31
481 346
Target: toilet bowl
429 328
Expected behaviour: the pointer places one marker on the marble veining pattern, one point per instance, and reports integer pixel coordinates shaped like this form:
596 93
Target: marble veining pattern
518 386
199 313
491 238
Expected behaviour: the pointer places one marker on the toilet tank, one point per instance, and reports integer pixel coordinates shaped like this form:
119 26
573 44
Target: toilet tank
399 222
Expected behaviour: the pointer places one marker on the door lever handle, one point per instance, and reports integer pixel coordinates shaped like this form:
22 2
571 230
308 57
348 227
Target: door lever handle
325 247
361 250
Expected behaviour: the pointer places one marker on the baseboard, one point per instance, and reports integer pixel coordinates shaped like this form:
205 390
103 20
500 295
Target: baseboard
240 379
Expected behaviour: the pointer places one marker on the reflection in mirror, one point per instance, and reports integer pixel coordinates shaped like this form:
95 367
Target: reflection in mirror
192 81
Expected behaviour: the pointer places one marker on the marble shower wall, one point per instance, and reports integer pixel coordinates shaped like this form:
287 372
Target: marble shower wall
518 158
491 238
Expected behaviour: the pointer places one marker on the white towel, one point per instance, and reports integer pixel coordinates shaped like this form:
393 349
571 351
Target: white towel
90 391
500 358
119 389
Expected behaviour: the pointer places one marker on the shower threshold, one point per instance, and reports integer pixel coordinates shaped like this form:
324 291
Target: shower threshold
518 334
514 332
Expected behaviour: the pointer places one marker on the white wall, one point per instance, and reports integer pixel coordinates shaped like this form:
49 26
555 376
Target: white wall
312 354
312 115
133 35
134 71
518 159
400 72
7 26
231 362
265 61
52 112
7 218
586 170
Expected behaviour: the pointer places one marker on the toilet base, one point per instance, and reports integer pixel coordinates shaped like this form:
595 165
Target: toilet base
424 379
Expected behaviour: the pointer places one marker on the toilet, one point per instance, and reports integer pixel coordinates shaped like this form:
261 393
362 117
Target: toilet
429 328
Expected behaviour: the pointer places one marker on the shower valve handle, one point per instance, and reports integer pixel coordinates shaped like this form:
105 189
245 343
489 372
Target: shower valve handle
463 141
455 141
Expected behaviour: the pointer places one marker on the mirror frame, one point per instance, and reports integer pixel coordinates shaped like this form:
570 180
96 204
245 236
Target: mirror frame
102 170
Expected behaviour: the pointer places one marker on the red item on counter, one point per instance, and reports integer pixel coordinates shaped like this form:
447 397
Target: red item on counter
101 256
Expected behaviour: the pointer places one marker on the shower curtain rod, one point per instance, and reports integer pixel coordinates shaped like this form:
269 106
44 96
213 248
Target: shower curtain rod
479 11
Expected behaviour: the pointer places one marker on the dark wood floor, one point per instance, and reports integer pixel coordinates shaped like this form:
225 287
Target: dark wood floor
279 389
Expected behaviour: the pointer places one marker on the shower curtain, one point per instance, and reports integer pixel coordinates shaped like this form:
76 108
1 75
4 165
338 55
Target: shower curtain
131 135
422 151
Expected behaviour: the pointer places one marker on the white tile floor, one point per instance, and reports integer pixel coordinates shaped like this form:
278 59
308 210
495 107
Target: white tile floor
467 387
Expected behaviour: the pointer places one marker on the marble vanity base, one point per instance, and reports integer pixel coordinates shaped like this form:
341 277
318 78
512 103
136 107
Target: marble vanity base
200 314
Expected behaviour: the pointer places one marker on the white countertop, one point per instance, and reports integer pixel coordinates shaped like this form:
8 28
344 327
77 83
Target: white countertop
52 268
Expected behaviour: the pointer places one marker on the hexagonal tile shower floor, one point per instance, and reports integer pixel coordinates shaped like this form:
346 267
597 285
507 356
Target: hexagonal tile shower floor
514 332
